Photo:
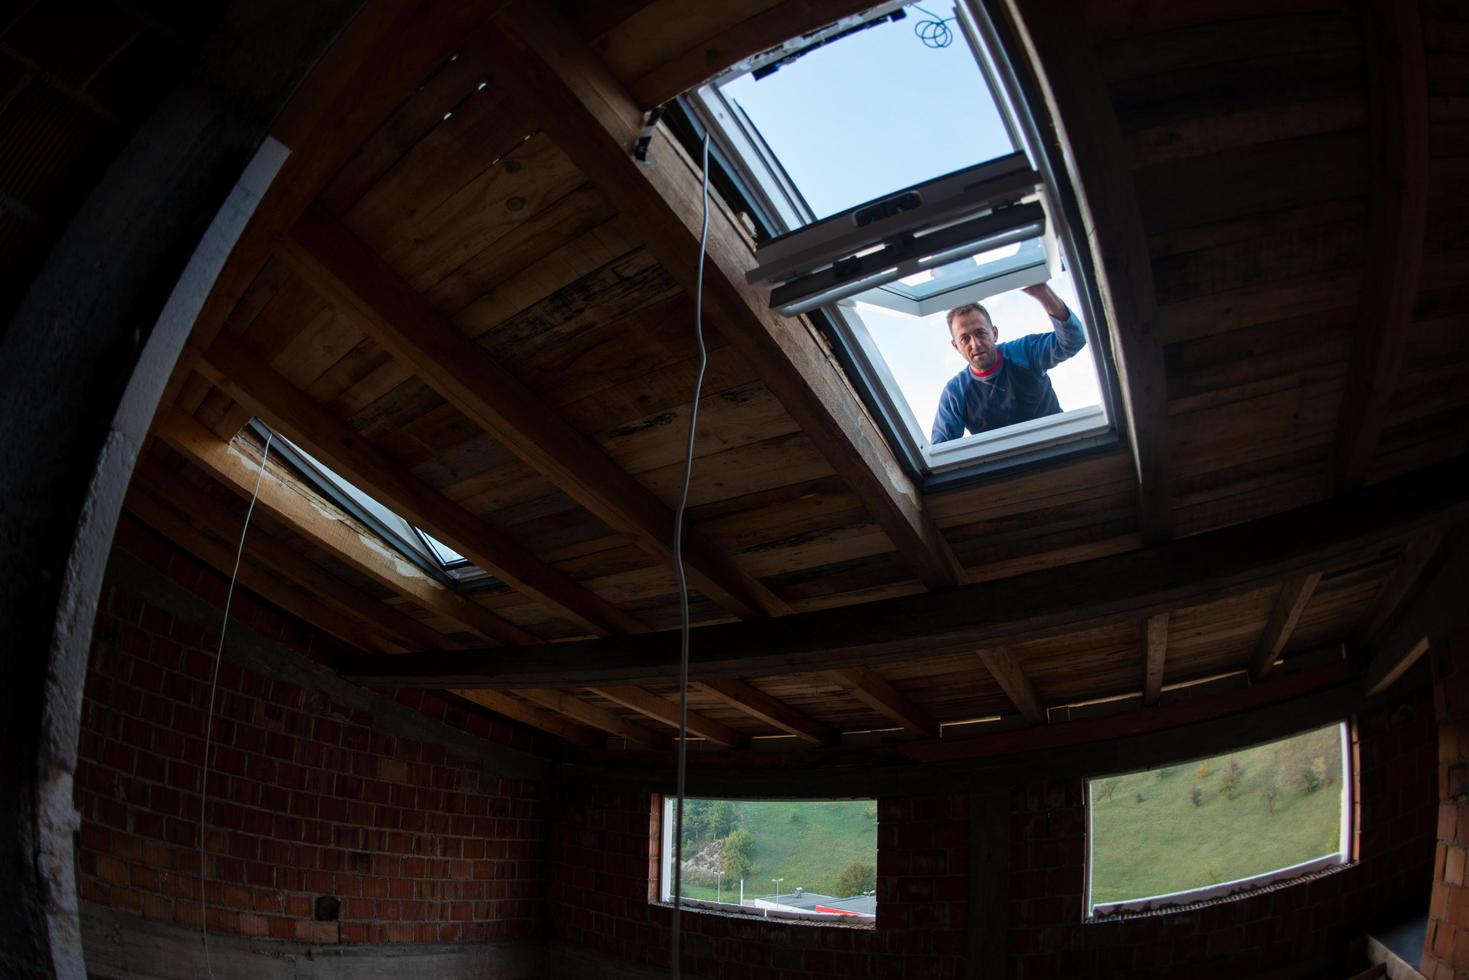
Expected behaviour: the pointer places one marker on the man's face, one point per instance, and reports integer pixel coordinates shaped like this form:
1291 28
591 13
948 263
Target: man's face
974 337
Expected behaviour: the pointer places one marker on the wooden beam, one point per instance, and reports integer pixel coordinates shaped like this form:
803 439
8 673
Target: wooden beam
381 57
1437 613
591 116
1120 588
248 379
1418 554
1157 639
1383 674
223 523
661 709
1295 595
1007 671
1098 169
757 704
322 524
528 714
589 714
300 604
871 689
353 277
1397 218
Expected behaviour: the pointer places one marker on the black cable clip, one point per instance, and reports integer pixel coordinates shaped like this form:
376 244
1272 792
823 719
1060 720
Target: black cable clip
640 145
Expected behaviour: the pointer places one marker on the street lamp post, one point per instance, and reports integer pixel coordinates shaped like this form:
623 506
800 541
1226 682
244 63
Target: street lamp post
719 886
776 882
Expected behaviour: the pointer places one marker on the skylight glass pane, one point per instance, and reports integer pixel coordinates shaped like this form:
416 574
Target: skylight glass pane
920 359
962 272
445 554
872 112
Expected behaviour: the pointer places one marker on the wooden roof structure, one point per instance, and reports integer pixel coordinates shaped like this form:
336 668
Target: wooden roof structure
463 294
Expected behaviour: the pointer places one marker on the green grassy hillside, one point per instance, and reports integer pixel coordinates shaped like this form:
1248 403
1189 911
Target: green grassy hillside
1163 842
808 844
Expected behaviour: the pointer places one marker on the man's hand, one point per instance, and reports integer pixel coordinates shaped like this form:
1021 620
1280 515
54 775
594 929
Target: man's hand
1044 295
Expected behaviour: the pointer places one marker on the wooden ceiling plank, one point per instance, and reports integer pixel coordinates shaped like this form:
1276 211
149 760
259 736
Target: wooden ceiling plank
595 120
401 320
220 521
869 687
1119 588
661 709
363 77
1099 170
754 702
321 524
1295 595
1005 667
599 718
1397 219
300 604
1157 642
287 409
527 714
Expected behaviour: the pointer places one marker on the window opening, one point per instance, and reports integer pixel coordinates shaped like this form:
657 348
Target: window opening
899 177
1227 823
408 539
805 859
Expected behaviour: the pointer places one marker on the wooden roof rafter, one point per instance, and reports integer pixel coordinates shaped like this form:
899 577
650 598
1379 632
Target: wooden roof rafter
246 377
595 121
1100 172
315 521
348 272
1398 215
219 520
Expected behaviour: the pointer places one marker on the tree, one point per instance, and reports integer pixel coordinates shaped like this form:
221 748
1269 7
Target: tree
1197 796
1270 794
719 818
1202 771
1229 782
739 848
855 879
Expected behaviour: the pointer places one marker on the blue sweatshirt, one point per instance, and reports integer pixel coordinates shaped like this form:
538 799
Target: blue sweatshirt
1019 389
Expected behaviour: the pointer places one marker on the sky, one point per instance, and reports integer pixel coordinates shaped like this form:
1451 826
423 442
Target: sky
878 111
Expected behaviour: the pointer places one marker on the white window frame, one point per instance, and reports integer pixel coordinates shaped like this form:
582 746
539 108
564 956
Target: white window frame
775 195
1224 889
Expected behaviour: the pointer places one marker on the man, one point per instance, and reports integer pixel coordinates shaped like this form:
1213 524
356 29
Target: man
1004 383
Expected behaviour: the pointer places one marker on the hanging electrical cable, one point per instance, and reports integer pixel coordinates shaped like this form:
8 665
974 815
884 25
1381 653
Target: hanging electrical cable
209 720
683 584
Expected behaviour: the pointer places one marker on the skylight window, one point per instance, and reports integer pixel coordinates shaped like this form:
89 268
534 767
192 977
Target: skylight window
898 177
412 541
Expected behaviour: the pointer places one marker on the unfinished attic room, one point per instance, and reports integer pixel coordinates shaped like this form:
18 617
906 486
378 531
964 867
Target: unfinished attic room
792 489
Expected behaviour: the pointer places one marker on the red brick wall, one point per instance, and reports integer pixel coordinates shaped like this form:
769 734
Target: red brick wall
1446 947
600 885
600 875
305 797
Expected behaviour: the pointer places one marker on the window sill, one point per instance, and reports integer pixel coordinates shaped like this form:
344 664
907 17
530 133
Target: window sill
1041 433
1228 891
751 912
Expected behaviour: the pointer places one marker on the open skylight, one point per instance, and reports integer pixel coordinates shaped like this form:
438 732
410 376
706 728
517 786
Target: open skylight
896 181
412 541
